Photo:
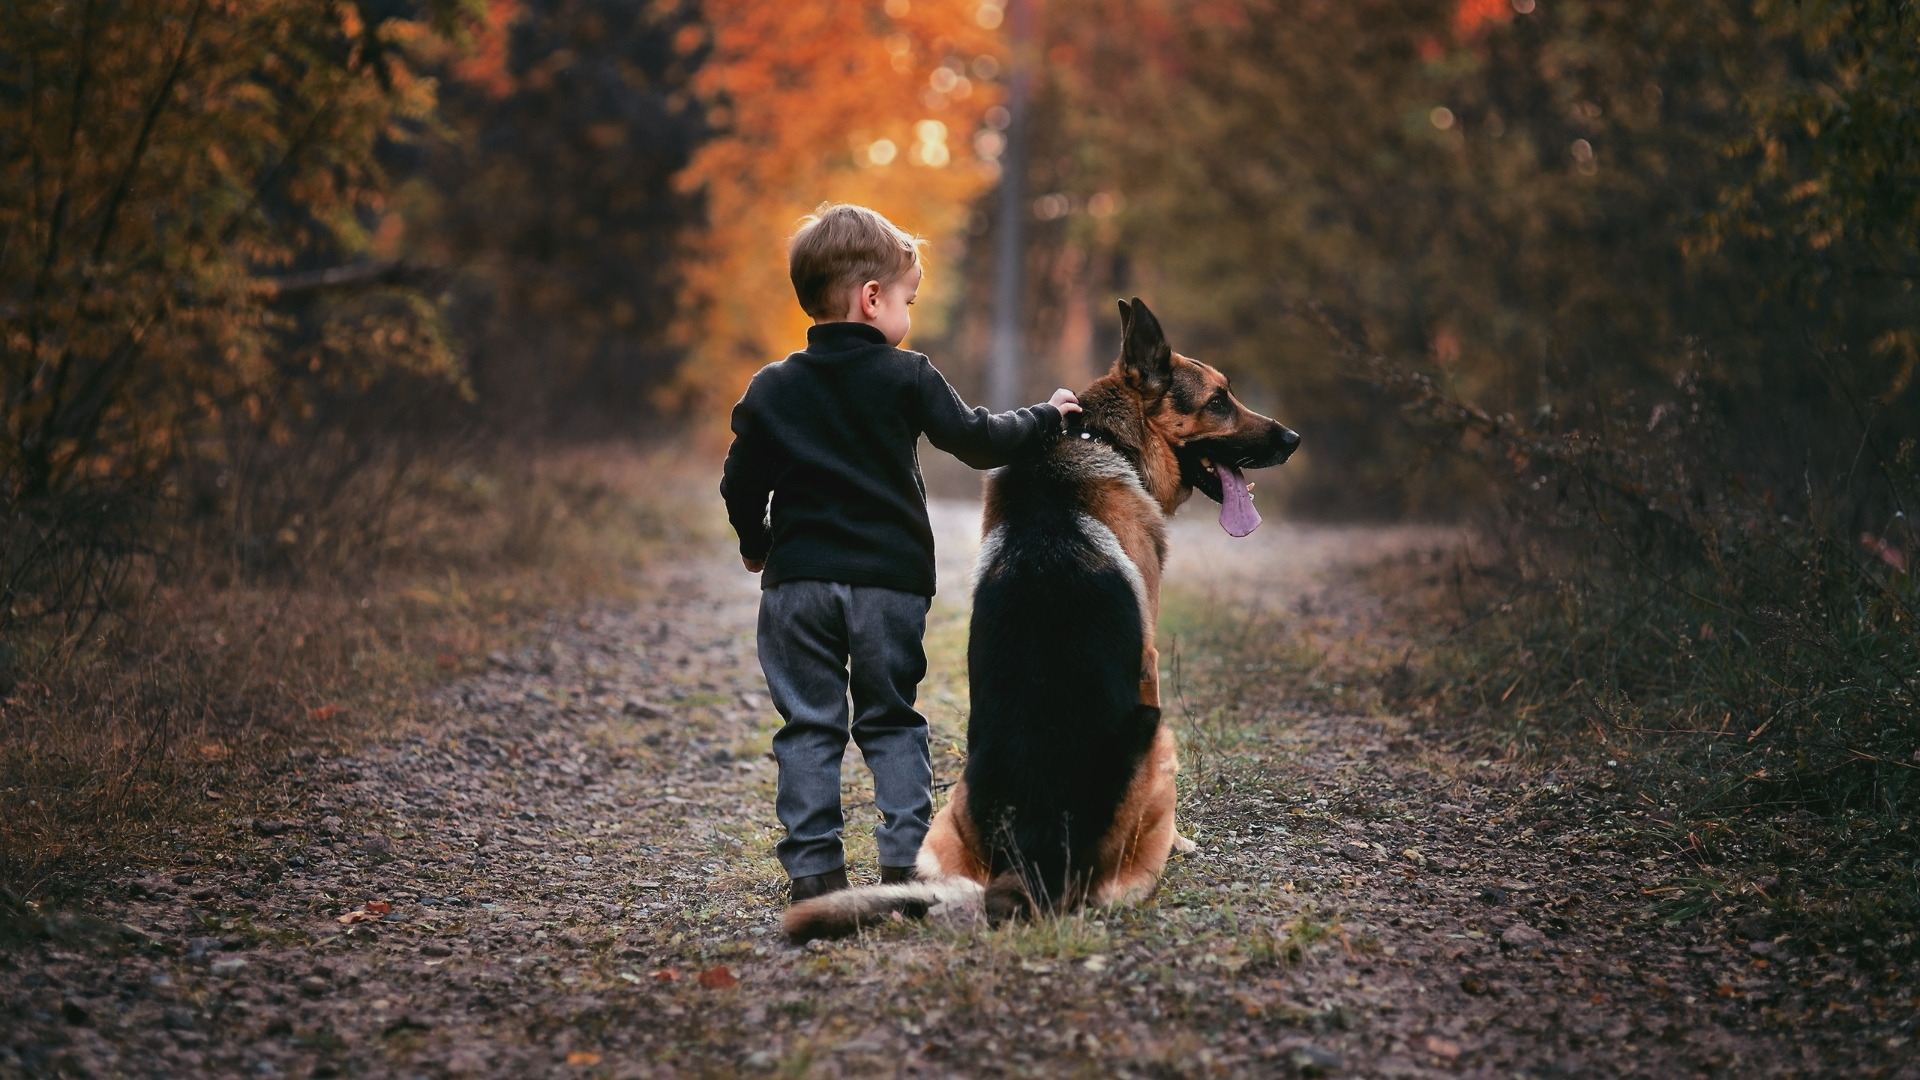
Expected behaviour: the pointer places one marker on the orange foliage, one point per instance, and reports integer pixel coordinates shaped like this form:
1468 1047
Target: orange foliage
808 98
1473 14
485 64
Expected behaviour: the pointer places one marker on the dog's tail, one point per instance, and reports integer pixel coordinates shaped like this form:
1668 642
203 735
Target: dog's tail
843 913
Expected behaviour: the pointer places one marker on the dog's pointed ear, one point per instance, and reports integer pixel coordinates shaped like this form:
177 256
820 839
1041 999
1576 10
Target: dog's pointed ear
1145 356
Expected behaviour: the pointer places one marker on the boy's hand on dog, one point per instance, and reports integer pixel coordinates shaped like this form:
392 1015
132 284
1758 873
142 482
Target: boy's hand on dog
1064 400
754 566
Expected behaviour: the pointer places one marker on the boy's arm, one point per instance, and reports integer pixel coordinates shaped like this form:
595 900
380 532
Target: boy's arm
744 486
977 437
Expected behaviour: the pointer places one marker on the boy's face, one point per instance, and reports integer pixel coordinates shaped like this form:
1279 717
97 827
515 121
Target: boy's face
888 308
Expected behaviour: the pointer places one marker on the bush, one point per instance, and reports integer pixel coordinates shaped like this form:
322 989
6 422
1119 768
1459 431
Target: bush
1747 651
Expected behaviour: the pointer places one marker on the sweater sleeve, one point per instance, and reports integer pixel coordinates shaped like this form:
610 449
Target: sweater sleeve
981 439
744 484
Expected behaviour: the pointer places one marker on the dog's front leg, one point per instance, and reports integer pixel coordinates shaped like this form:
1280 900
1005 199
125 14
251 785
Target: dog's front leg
1150 695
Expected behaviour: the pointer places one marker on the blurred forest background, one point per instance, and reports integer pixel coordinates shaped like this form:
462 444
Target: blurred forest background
298 296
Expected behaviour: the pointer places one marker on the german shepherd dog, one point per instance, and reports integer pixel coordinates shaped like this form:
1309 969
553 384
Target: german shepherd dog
1068 793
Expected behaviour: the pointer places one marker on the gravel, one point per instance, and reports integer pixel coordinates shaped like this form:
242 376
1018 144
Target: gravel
567 871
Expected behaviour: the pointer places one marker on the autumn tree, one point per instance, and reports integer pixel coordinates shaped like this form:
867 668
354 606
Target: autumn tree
550 197
871 103
1544 203
168 170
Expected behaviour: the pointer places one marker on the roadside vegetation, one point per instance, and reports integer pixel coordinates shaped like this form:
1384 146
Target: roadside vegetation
197 692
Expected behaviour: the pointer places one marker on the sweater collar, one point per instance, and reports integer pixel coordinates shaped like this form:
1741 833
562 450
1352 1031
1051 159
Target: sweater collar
839 336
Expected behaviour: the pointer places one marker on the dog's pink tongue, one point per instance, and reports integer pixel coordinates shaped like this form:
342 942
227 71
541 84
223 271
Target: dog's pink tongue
1237 514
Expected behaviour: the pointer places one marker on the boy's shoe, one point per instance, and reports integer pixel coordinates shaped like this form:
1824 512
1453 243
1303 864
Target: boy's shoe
806 888
898 875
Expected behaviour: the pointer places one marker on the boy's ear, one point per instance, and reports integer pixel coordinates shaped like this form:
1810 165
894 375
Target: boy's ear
1145 357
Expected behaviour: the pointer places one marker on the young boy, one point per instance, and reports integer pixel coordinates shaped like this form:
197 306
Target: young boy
846 554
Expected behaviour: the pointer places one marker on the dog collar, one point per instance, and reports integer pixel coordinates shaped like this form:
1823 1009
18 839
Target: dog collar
1083 435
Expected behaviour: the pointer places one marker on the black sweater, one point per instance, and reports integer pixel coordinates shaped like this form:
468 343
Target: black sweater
833 433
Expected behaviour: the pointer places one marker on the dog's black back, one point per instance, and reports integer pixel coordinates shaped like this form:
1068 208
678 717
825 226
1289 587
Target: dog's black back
1057 729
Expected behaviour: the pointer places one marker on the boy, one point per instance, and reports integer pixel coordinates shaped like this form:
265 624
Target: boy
846 555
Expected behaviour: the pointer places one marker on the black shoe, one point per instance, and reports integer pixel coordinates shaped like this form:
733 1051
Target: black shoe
806 888
898 875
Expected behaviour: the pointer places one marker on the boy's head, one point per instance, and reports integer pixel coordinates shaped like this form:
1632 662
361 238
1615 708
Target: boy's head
849 263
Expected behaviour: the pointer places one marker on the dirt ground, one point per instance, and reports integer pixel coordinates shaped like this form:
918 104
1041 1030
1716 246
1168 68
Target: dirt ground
571 875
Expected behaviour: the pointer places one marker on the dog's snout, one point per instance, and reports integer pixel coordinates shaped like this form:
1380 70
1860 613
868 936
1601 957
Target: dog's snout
1285 441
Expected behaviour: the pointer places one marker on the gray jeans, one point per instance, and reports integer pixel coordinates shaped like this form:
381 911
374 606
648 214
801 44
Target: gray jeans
809 631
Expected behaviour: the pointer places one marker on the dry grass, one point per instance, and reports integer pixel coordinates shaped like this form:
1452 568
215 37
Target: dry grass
171 712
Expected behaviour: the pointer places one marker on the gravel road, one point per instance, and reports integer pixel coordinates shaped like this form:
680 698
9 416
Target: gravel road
570 874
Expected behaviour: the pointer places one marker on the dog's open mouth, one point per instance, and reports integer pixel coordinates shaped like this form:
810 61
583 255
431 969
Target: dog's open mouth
1235 495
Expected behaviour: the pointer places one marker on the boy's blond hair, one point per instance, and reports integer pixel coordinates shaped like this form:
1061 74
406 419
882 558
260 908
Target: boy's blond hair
841 246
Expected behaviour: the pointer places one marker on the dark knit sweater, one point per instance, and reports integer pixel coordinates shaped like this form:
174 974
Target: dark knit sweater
833 433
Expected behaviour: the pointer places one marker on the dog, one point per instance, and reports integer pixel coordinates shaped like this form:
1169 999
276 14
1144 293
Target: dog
1067 798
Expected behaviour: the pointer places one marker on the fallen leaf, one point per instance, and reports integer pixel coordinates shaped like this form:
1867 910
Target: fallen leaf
1440 1047
719 978
212 794
583 1057
667 975
630 977
352 917
379 907
324 712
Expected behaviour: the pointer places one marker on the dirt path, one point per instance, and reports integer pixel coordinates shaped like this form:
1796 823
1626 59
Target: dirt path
572 876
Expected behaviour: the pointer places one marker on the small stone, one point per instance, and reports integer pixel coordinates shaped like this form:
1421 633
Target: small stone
1760 948
314 986
1493 894
73 1013
177 1019
645 710
183 880
583 860
263 827
759 1059
434 948
229 965
500 660
1522 936
377 843
1314 1060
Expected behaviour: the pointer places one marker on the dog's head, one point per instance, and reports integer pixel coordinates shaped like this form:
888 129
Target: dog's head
1192 432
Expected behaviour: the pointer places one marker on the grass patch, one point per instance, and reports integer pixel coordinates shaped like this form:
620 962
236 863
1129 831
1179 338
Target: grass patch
207 683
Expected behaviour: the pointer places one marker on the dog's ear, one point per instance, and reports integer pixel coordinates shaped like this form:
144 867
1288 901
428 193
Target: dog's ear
1145 356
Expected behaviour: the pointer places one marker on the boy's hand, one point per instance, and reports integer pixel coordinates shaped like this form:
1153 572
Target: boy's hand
754 566
1064 400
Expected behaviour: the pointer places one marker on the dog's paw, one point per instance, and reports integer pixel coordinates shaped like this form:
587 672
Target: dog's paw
1183 846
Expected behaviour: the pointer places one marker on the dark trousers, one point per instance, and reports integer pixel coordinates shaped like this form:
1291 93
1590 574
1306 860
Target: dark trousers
818 640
